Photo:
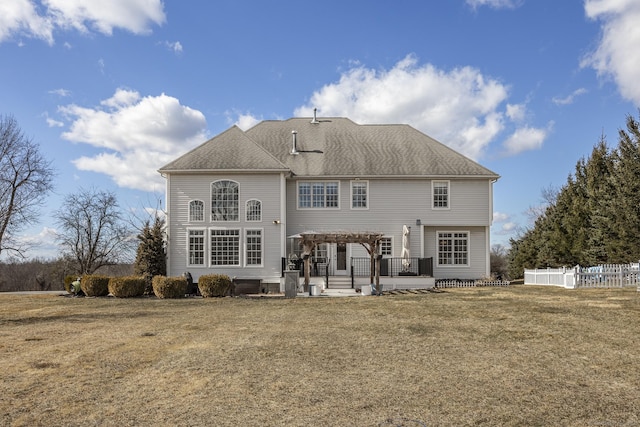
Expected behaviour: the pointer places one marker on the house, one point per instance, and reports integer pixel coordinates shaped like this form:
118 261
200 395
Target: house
239 203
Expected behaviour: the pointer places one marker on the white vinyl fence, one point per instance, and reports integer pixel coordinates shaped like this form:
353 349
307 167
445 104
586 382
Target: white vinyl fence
600 276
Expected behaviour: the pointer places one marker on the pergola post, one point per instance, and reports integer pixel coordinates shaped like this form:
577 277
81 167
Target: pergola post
374 250
307 251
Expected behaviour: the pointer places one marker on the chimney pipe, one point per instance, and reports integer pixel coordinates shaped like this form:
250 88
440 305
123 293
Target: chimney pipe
294 146
315 120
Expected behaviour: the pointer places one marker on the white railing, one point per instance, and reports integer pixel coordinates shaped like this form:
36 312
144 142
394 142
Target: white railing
600 276
459 283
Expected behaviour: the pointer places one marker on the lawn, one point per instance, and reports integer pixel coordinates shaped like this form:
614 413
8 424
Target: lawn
521 355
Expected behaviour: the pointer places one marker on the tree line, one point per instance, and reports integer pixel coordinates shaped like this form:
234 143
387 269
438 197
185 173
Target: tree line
594 218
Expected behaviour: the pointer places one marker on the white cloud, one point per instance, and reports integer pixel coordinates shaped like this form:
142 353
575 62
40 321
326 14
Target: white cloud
19 17
461 108
500 217
526 138
60 92
246 121
508 227
495 4
138 135
175 47
54 123
570 98
618 53
516 112
504 219
39 19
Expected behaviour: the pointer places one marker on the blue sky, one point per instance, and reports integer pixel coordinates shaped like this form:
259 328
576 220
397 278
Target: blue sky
114 90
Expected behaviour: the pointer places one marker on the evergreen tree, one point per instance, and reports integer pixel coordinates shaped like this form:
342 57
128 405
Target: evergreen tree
626 215
595 217
151 257
600 235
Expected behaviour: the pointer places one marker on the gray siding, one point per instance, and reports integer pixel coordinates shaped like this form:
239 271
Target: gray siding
394 203
477 267
264 187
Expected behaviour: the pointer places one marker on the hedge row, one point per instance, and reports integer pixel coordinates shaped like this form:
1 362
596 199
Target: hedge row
212 285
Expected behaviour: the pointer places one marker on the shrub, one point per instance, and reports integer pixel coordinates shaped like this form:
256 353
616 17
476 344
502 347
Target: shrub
169 287
125 287
95 286
215 285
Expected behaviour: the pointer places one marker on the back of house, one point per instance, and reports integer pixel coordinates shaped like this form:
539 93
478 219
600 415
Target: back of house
239 203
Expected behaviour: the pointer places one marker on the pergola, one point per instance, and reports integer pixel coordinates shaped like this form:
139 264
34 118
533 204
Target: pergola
370 241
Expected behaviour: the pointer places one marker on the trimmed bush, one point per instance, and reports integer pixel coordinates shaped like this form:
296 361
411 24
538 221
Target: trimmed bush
125 287
95 286
169 287
215 285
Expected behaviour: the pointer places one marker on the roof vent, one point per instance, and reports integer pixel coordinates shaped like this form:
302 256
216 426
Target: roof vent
315 120
294 146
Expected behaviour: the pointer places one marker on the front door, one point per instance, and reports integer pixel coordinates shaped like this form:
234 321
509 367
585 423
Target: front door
341 259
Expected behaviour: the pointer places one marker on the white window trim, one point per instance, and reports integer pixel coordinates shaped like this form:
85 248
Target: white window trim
246 210
357 181
210 251
311 207
468 264
217 221
205 262
433 195
245 248
203 210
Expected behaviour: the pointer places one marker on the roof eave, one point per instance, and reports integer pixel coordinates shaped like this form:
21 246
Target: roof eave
219 171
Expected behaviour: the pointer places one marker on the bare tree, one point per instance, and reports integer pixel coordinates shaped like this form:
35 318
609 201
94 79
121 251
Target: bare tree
93 231
25 181
498 260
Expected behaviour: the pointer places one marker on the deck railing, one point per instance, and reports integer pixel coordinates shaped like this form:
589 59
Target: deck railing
360 267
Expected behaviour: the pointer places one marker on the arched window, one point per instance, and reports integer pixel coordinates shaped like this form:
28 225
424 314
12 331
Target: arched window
196 210
254 210
224 200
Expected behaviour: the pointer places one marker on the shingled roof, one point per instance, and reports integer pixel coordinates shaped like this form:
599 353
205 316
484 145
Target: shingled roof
231 150
330 147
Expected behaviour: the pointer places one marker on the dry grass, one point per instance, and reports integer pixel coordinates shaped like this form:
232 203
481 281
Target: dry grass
505 356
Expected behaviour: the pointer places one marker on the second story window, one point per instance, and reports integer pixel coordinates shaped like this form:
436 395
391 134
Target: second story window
224 201
440 194
359 194
196 210
254 210
318 195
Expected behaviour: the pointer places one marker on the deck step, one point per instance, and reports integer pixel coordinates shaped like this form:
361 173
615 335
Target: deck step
339 282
